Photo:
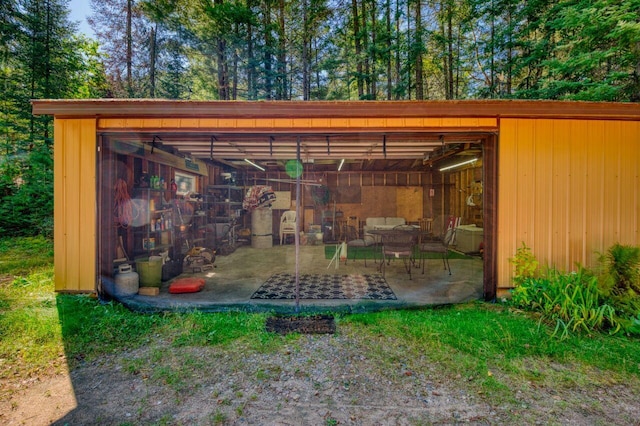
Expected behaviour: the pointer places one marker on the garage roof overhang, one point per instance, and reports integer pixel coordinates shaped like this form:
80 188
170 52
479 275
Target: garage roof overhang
386 135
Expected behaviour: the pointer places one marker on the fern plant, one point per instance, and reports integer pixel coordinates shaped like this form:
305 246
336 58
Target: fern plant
623 266
619 279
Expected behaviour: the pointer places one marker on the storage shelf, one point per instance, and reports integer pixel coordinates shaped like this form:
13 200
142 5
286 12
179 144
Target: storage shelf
163 239
224 203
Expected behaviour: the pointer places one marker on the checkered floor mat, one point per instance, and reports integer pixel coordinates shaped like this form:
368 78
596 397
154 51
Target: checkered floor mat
323 286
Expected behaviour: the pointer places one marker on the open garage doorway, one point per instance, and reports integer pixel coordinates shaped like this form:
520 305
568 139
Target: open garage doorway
212 206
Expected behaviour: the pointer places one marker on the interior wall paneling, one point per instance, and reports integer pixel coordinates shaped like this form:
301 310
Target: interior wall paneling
406 203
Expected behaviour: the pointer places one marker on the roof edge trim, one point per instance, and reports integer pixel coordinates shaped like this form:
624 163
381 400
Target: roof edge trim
75 108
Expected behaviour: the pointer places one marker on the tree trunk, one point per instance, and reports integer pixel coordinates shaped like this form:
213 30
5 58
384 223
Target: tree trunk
305 53
282 53
418 52
388 48
397 49
236 59
152 63
492 66
409 69
129 48
268 49
251 68
374 55
365 50
316 49
356 34
223 72
509 58
450 50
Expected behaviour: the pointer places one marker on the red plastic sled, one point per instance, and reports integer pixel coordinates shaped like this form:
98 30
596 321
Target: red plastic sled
186 285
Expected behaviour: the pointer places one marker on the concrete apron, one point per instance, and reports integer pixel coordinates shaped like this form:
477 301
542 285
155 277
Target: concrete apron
237 276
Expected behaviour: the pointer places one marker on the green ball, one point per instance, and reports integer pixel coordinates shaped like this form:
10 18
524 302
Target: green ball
293 168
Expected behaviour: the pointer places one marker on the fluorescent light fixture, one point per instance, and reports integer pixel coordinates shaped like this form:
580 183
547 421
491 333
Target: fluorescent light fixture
459 164
341 164
254 164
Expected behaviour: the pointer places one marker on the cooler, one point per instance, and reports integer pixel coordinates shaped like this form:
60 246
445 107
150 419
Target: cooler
468 238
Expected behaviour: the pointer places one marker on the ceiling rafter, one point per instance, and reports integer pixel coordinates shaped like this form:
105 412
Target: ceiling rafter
368 151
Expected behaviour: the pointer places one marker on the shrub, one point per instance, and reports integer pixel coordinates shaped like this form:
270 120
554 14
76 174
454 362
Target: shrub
619 279
608 299
525 264
26 209
570 301
621 270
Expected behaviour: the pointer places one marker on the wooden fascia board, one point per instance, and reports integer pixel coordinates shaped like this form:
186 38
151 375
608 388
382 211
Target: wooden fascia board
142 108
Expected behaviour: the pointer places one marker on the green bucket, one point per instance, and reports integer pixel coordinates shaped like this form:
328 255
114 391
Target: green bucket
150 272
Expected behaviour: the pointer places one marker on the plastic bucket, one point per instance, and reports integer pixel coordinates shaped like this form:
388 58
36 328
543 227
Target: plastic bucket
150 271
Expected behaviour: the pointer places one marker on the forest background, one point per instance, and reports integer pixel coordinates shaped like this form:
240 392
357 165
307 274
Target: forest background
294 50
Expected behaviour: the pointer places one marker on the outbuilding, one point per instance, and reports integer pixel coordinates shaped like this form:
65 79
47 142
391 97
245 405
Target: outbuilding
141 178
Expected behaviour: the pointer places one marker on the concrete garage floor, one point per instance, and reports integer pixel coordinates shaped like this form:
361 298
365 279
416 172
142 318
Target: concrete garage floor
237 276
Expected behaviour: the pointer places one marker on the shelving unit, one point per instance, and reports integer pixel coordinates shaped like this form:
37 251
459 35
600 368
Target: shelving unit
224 207
192 227
153 225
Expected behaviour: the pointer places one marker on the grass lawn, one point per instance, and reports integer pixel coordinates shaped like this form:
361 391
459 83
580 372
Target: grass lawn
498 348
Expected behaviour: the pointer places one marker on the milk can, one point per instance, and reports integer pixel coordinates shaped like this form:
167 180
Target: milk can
126 281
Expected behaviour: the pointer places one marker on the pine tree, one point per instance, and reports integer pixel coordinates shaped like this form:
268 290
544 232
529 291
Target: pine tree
41 59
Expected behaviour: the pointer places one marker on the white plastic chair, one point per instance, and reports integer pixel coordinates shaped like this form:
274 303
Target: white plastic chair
287 225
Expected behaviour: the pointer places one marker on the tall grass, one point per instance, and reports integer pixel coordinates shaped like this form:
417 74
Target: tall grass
571 301
18 256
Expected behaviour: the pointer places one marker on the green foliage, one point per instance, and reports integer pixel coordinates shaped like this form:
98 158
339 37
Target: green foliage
233 50
525 264
619 278
622 264
40 57
19 256
27 208
583 301
570 301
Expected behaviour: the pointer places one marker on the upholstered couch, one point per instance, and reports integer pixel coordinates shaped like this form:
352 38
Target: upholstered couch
381 223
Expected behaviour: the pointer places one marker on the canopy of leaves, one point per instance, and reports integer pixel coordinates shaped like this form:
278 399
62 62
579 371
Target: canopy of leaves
299 49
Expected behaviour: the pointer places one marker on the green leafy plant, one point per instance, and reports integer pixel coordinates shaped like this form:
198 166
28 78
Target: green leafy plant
622 269
619 280
525 264
571 301
576 301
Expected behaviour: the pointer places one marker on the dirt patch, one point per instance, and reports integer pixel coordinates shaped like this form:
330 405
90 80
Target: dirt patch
316 324
314 380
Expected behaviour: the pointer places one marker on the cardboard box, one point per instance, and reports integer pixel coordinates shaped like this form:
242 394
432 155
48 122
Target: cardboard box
149 291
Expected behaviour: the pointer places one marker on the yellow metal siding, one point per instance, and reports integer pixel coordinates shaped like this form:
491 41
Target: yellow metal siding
74 205
567 188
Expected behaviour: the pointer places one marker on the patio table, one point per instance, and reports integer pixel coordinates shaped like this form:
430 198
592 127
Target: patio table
398 243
